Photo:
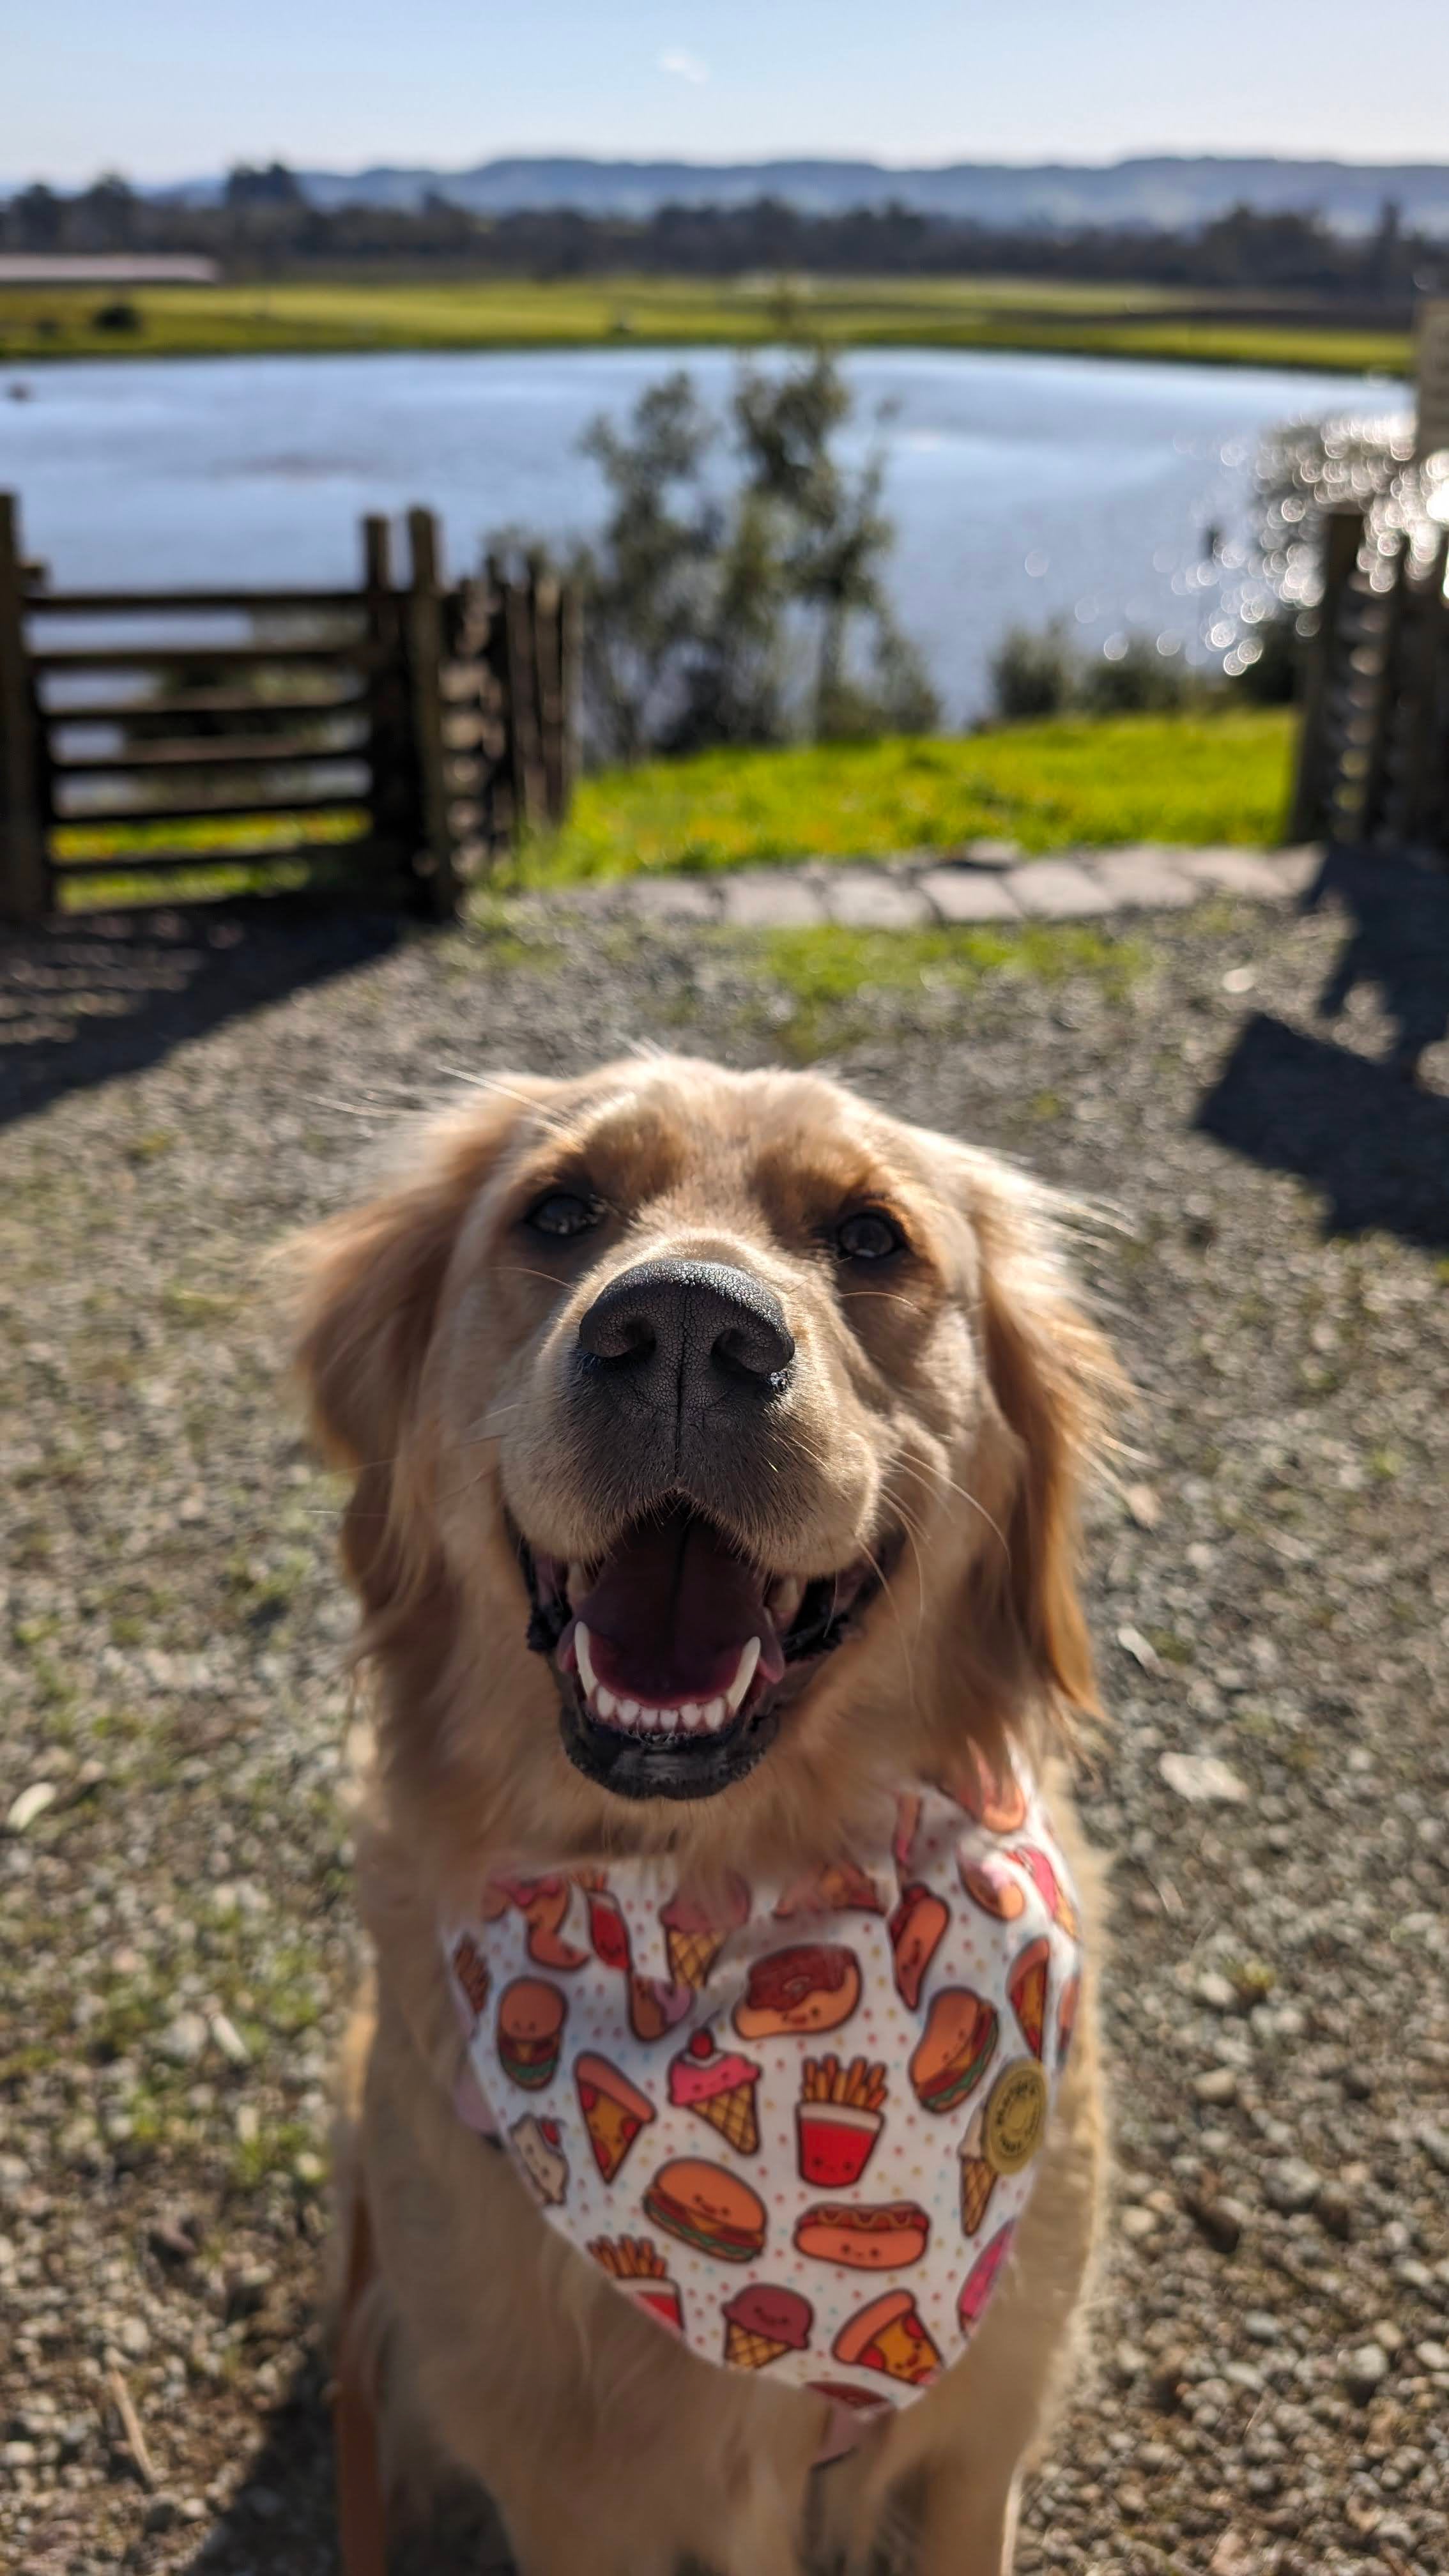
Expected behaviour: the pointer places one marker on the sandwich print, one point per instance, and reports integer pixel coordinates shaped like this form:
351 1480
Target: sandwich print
794 2124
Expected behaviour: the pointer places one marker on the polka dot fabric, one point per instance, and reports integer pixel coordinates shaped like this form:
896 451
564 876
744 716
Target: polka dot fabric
796 2127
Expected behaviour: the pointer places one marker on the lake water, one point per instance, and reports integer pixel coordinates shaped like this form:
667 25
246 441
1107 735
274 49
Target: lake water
1020 487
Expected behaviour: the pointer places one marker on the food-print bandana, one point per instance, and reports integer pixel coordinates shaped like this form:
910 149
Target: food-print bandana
799 2130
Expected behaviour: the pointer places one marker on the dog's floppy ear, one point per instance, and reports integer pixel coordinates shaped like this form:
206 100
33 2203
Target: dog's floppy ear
367 1285
1055 1382
369 1280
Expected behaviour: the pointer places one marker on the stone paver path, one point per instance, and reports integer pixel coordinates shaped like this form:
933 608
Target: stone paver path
982 882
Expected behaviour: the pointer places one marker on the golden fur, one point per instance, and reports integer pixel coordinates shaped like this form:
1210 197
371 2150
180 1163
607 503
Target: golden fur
955 1406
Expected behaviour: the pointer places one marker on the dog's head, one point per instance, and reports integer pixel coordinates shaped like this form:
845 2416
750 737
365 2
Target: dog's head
715 1441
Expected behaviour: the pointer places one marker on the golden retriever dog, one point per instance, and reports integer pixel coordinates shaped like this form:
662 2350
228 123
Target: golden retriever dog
802 1397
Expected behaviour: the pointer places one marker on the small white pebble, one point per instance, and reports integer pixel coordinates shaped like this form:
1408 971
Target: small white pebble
31 1803
229 2040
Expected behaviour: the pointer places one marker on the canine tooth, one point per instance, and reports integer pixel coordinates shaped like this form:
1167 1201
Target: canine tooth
587 1674
604 1703
744 1675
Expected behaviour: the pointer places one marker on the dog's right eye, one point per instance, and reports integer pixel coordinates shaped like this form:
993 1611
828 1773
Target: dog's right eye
562 1213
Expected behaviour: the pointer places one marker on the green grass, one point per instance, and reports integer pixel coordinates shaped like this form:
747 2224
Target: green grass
1202 778
835 978
252 871
1206 777
321 315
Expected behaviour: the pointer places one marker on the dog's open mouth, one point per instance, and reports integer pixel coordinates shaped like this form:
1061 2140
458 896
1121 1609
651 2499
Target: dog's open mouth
675 1655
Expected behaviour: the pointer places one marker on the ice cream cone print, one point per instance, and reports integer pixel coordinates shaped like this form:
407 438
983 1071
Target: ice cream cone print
695 1934
718 2086
692 1955
733 2114
978 2182
762 2323
1002 2138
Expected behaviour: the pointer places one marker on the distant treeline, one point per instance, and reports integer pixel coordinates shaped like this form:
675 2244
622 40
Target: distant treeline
265 223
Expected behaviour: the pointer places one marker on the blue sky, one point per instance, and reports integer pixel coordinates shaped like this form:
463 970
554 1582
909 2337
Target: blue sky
167 88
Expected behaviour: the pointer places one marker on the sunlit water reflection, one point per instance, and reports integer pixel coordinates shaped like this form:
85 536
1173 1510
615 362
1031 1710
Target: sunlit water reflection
1021 487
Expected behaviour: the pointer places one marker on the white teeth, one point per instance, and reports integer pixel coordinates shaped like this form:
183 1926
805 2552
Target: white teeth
587 1675
640 1717
744 1675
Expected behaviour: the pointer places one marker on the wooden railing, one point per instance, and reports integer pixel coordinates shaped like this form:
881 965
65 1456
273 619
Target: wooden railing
406 731
1373 744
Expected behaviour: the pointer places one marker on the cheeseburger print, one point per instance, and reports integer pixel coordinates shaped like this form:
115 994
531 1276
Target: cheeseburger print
530 2028
795 2124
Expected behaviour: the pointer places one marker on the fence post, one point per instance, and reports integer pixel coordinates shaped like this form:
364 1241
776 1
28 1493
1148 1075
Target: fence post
387 730
548 661
24 867
1385 699
1423 817
570 686
1308 804
530 800
437 873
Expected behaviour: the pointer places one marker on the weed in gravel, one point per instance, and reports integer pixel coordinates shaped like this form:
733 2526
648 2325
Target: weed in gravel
835 981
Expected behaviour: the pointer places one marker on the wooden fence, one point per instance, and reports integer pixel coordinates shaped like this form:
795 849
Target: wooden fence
406 731
1373 745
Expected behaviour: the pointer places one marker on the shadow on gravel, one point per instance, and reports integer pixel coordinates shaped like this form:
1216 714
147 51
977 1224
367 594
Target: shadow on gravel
1398 944
84 1000
284 2519
1357 1129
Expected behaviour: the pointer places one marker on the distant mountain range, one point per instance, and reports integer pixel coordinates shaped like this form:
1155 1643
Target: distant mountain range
1170 190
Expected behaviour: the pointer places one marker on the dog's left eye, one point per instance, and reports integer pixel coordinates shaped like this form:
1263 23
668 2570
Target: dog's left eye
870 1235
563 1213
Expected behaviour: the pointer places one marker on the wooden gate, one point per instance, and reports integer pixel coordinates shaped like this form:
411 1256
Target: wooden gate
403 732
1373 746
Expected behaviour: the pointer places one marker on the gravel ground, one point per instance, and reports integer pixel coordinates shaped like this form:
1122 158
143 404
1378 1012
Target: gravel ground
1270 1596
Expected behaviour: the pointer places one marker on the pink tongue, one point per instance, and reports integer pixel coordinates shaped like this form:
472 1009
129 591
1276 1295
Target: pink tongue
670 1611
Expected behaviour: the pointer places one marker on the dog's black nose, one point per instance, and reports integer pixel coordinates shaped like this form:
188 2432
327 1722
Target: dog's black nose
684 1333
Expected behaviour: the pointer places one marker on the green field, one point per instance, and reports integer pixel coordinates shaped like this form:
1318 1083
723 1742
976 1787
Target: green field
321 316
1202 778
